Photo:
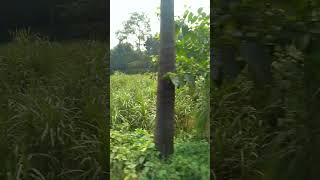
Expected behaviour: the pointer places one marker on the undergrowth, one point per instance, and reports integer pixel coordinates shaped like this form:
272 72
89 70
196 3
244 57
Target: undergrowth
133 156
262 133
53 119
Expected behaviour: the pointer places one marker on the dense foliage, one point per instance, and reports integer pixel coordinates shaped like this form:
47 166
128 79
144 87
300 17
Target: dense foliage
53 109
192 67
192 46
265 128
133 156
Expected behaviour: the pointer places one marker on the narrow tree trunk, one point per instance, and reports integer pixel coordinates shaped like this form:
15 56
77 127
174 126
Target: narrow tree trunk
164 130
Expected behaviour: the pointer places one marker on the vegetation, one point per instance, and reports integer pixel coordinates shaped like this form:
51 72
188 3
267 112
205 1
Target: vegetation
52 117
133 104
136 46
133 154
126 59
133 110
264 96
263 120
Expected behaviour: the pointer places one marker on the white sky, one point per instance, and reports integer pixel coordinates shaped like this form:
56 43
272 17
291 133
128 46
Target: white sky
120 11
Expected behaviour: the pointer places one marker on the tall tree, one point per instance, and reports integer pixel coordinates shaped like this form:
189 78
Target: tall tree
164 130
137 27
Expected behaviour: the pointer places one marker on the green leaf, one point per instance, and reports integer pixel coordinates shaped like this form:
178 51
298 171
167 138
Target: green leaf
141 159
175 80
190 17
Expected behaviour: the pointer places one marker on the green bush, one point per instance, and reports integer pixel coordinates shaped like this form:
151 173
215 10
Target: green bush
133 156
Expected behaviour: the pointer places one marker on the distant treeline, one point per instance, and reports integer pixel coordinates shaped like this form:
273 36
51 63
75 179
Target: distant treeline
58 19
126 59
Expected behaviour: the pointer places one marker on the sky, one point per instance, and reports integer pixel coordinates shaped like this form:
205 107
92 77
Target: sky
120 11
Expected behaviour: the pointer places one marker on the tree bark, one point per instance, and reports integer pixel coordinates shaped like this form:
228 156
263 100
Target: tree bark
164 130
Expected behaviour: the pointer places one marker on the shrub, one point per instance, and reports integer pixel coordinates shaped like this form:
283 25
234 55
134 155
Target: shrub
133 156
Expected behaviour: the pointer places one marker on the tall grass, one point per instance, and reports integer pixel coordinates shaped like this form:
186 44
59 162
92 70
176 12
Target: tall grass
133 103
53 118
264 133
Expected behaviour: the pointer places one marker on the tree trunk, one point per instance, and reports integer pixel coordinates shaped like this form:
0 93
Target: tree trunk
164 130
